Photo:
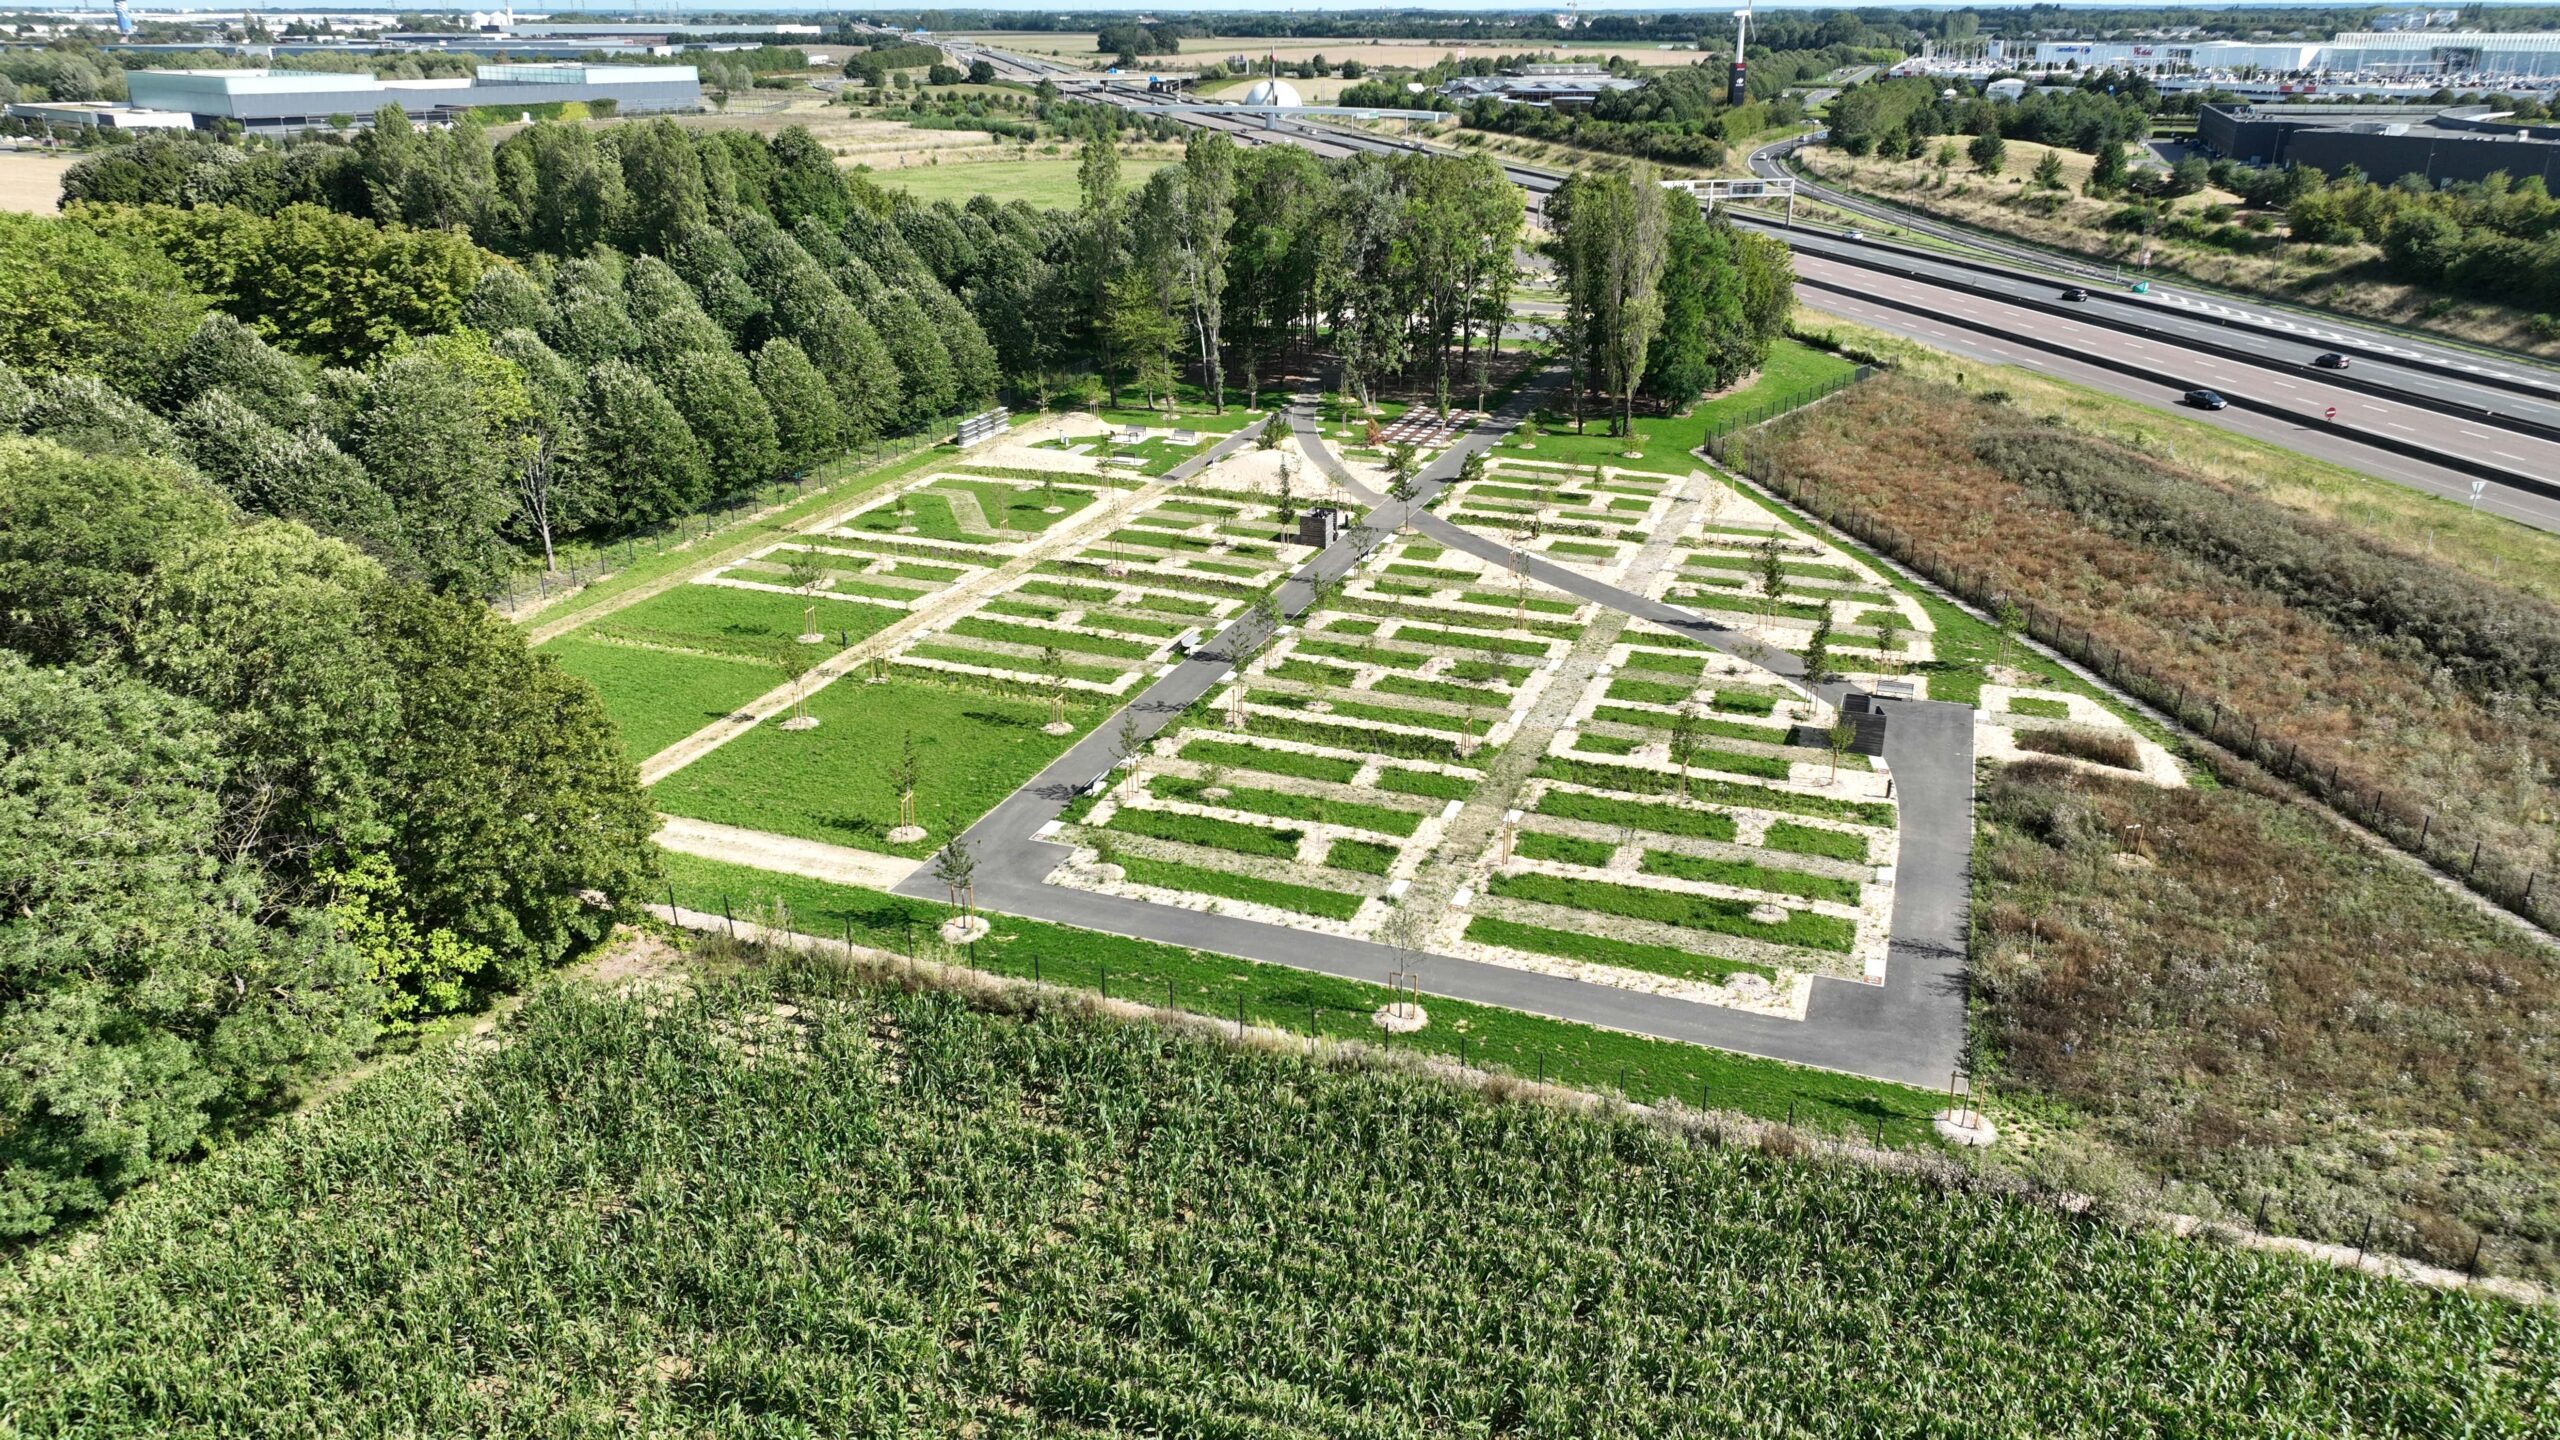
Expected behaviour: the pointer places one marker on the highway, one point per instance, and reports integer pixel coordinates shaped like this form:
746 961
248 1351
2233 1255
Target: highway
2431 417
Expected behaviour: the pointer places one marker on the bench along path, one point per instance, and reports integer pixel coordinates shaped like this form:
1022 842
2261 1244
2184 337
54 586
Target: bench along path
1909 1029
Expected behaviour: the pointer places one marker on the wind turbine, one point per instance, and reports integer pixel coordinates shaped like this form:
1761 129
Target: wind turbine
1733 93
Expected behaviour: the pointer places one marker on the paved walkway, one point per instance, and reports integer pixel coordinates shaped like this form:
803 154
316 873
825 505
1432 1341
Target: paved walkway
1910 1029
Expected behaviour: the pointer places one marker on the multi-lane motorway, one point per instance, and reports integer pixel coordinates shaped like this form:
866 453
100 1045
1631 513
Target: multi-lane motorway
2432 417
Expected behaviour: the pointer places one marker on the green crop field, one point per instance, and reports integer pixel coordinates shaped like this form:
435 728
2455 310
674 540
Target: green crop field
833 784
786 1204
658 697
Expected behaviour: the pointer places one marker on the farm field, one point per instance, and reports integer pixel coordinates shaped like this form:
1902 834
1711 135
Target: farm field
1045 183
644 1206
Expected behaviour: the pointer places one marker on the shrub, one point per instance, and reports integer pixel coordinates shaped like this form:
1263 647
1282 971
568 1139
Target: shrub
2080 742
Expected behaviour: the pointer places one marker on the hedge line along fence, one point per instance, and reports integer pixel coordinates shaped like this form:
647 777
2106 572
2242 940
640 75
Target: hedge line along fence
586 562
2527 887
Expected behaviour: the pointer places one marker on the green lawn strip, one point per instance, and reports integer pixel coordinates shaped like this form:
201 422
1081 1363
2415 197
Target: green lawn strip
1385 655
1305 1003
2031 706
1601 776
1599 744
1430 784
1270 762
725 620
1470 621
1348 625
1313 672
1802 569
1456 640
1573 547
1014 508
656 697
1423 551
1025 665
1037 637
1692 666
1227 885
1124 623
1678 908
1601 950
1663 639
930 515
1746 605
1649 692
1420 689
833 783
840 481
1358 740
1031 609
1346 708
1748 876
1493 600
1154 580
1157 540
1284 805
1660 818
1814 840
1208 832
1450 578
1399 587
1366 857
1705 724
1563 849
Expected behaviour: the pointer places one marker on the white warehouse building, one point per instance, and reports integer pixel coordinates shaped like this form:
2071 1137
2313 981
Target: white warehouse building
2452 54
280 101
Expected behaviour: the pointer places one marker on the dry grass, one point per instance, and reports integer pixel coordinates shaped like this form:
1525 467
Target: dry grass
2099 747
2368 718
2427 527
2246 1012
2347 280
31 181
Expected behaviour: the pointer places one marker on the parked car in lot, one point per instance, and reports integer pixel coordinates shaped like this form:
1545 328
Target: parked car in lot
2206 400
2075 293
2331 361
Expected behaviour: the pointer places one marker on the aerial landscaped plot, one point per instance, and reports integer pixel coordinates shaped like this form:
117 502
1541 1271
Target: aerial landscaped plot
658 697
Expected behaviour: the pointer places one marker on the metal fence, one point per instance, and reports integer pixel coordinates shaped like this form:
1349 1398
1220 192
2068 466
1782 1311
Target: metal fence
1795 399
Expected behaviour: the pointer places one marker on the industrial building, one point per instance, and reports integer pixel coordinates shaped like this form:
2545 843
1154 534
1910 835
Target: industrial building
97 115
2382 142
284 101
2449 56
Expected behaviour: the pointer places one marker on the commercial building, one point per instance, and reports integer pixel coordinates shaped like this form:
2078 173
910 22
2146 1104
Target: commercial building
1544 85
97 115
282 101
2382 142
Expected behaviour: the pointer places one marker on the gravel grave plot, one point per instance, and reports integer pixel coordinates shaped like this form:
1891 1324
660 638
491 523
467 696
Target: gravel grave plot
1719 571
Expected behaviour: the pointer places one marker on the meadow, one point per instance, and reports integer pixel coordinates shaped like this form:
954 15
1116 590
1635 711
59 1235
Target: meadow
790 1203
1047 184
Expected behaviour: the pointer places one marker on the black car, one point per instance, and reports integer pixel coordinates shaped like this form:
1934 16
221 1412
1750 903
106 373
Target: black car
2206 400
2075 293
2331 361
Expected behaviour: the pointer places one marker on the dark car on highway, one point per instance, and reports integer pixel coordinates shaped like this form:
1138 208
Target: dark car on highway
2075 293
2206 400
2331 361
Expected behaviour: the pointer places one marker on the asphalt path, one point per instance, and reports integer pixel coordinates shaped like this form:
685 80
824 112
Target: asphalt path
1909 1029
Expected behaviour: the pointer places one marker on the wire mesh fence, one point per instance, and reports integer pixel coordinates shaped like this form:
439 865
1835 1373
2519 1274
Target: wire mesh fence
1797 398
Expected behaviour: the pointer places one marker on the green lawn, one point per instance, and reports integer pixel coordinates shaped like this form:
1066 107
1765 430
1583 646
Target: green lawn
1047 184
657 698
725 620
1666 441
833 783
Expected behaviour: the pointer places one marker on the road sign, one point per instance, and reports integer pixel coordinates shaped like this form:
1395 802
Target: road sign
2330 414
2477 487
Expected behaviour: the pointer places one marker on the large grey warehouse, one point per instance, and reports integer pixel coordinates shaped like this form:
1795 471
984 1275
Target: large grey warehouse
2383 142
281 101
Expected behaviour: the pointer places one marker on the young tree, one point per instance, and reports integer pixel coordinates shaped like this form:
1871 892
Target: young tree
1053 673
795 660
905 773
2107 170
1773 574
1817 652
1684 739
957 868
2049 171
1841 736
1889 636
2010 619
1988 152
800 565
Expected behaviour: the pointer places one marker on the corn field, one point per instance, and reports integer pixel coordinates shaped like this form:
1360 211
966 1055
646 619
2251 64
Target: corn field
785 1204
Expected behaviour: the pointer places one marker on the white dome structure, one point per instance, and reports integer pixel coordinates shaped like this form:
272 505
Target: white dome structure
1273 92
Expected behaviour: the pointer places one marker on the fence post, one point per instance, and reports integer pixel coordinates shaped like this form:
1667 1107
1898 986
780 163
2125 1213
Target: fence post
725 915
